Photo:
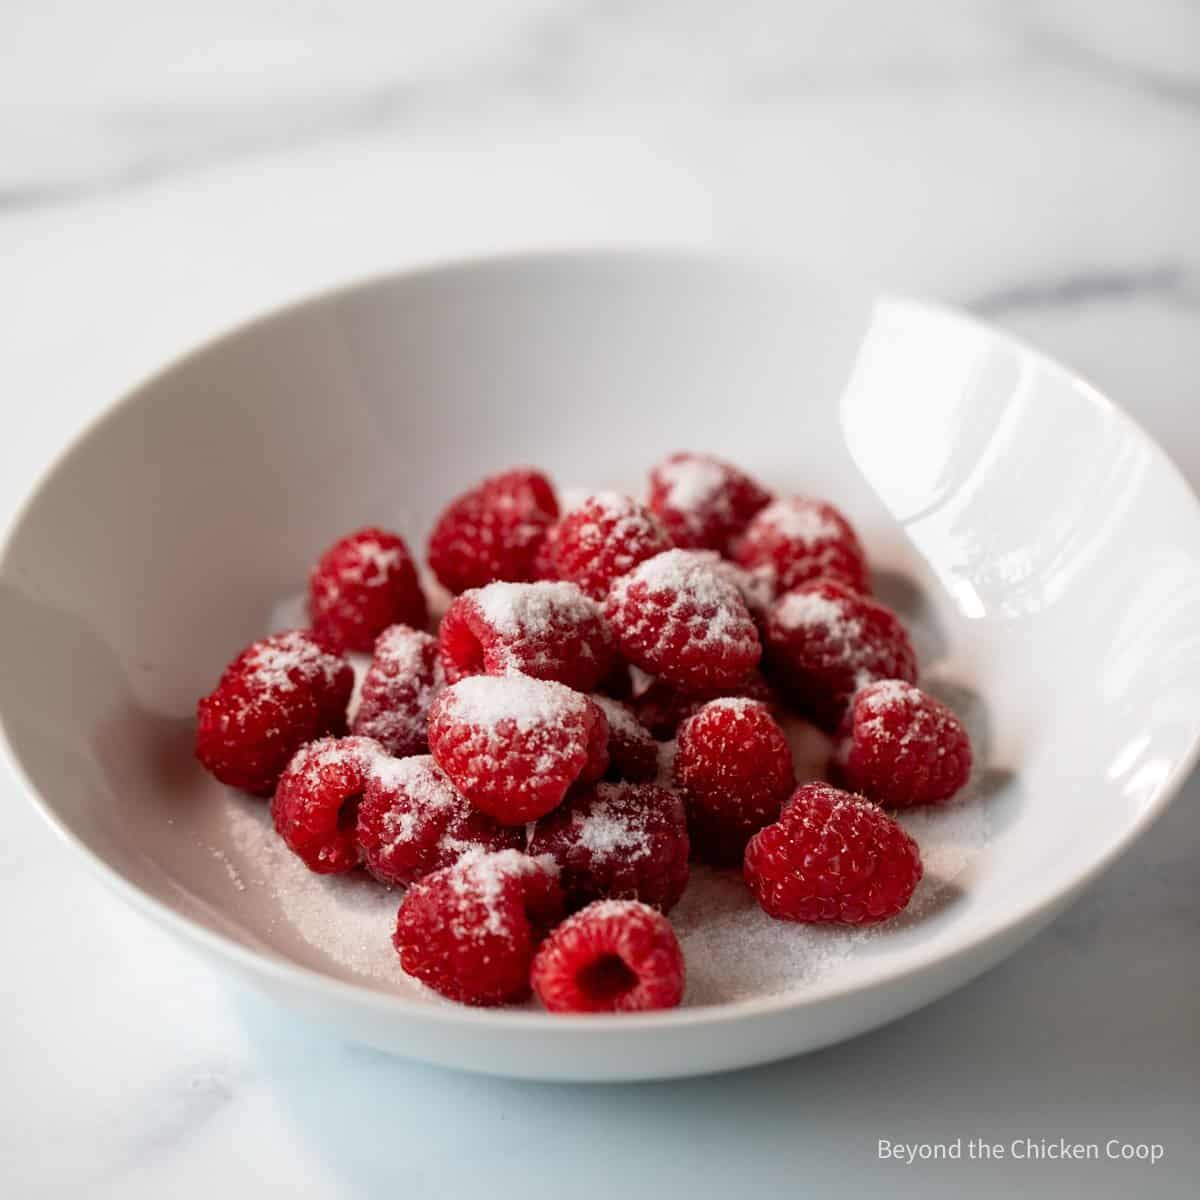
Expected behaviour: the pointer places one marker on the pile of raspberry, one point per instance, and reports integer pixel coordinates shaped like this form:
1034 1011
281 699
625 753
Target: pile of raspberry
599 705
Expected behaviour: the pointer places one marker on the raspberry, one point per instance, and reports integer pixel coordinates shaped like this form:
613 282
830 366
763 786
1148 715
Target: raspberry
900 747
413 821
514 745
734 765
470 931
605 537
543 560
276 695
404 676
632 752
832 856
549 630
677 618
361 585
703 503
493 531
316 804
824 642
625 840
663 706
614 956
801 539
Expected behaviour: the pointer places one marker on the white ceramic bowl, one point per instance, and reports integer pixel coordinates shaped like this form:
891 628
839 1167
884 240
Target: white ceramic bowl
1046 550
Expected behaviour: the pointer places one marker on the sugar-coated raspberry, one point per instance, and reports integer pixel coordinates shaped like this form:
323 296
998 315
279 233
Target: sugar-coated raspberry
603 538
756 585
664 706
734 765
900 747
412 821
549 630
800 539
514 745
613 956
543 560
703 502
832 856
361 585
278 694
626 840
404 676
494 531
316 803
677 618
825 641
632 752
470 931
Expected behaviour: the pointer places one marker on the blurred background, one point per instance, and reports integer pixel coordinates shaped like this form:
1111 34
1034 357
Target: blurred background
169 167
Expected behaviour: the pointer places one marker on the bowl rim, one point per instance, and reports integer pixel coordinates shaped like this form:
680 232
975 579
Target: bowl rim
1024 916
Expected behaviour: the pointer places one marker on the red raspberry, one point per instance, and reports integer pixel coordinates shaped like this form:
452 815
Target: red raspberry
549 630
603 538
703 503
470 931
801 539
316 804
900 747
677 618
632 752
832 856
493 531
404 676
275 696
514 745
543 560
361 585
614 956
824 642
413 821
627 840
735 767
663 706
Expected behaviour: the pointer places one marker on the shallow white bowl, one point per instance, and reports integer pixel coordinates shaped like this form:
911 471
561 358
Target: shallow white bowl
1045 549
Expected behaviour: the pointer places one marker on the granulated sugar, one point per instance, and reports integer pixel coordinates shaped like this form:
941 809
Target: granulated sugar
733 950
799 519
485 700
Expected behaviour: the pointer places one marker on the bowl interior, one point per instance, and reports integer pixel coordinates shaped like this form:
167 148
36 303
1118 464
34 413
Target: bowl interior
1042 547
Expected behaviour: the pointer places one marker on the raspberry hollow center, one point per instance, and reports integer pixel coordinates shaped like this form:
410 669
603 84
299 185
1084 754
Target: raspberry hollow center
606 977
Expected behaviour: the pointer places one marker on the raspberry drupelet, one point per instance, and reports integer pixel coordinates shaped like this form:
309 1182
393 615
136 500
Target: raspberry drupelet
702 501
900 747
494 531
278 694
400 685
363 583
548 630
470 931
613 956
514 745
624 840
832 856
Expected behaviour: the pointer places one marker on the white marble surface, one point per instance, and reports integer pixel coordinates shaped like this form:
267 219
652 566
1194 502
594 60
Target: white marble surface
166 168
